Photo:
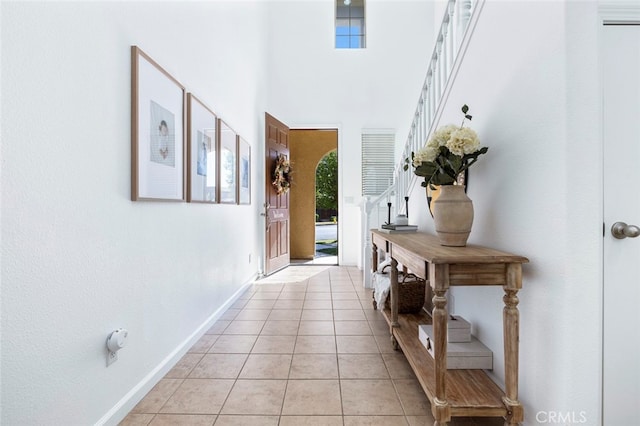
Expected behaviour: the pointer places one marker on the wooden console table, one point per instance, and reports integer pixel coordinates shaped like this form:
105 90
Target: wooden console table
454 392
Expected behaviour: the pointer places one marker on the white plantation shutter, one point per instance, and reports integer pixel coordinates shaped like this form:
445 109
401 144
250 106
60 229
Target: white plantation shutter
378 162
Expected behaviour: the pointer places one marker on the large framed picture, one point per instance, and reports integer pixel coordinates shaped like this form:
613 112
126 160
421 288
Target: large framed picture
157 131
244 171
202 148
228 161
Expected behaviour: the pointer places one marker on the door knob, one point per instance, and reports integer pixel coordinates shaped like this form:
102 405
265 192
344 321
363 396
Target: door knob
621 230
266 215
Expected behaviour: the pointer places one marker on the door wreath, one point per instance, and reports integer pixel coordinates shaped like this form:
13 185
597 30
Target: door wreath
282 175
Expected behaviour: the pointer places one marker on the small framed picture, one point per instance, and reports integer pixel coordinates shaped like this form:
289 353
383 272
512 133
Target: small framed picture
202 149
157 131
228 163
244 171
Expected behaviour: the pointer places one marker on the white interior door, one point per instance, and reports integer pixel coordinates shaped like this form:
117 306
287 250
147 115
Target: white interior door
621 354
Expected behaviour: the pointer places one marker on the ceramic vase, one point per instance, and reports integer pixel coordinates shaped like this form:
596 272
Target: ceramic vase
453 216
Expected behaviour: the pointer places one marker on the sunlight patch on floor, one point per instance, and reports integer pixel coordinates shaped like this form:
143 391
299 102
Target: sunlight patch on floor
294 274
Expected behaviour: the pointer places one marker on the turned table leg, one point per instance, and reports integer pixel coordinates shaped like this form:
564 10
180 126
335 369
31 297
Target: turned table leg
439 279
511 322
394 293
374 268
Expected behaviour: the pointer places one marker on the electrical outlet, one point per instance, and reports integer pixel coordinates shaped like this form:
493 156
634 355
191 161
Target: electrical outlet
111 357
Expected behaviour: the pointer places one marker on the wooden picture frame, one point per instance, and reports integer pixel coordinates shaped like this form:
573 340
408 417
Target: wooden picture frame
244 171
227 164
157 131
202 152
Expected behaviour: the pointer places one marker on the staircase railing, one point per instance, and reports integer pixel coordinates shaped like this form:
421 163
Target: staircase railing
459 19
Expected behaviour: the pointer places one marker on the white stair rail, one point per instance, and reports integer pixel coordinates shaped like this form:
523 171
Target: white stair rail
453 37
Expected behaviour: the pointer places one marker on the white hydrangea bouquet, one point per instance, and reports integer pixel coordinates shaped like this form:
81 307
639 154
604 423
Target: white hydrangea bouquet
450 151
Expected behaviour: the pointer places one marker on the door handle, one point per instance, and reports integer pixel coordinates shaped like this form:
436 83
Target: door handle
621 230
266 215
266 210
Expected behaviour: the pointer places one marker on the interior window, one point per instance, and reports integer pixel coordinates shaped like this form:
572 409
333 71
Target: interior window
350 24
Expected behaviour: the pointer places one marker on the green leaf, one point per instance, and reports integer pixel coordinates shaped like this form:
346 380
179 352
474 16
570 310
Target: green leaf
454 161
425 169
465 108
442 179
405 167
468 117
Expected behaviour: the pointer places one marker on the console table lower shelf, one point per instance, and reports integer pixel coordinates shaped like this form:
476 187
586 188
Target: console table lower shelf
470 393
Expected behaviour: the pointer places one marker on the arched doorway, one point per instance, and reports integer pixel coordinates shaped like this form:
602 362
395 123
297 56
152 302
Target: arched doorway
307 149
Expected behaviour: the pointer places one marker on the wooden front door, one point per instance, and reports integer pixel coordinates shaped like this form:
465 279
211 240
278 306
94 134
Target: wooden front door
277 205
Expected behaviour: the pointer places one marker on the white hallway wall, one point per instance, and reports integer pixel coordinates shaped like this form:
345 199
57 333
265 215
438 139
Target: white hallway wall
533 93
79 259
313 84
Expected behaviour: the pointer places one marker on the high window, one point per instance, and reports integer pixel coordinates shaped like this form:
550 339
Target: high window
350 24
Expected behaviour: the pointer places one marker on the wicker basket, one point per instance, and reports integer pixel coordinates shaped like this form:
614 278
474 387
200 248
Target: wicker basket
411 292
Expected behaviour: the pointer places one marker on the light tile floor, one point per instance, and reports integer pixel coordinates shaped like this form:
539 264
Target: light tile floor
301 347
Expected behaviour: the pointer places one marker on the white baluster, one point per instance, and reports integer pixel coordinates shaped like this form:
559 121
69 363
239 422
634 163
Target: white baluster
451 44
413 134
394 192
431 97
463 17
412 144
367 248
436 77
425 115
440 70
418 126
453 29
417 119
423 111
405 183
434 83
446 58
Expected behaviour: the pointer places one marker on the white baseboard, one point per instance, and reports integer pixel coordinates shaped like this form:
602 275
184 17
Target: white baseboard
135 395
